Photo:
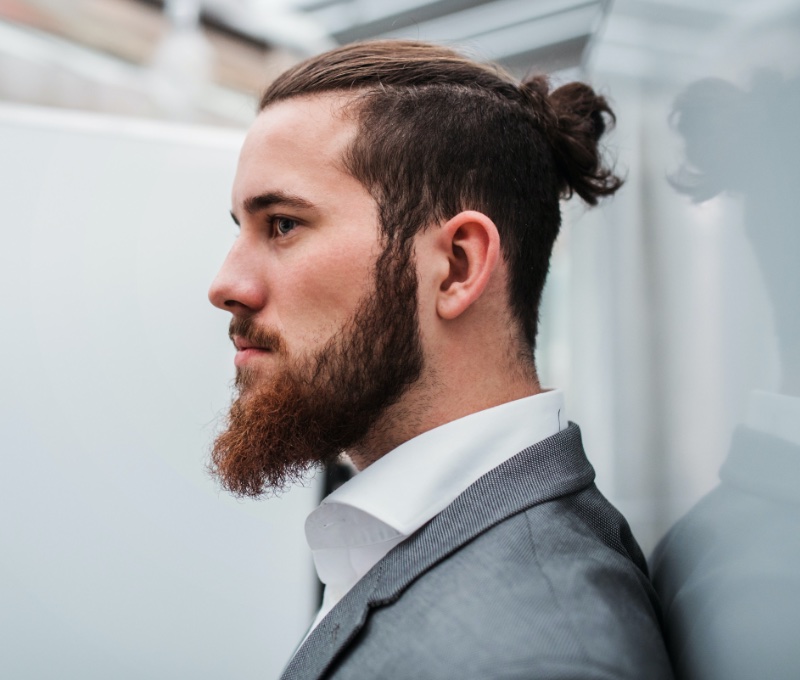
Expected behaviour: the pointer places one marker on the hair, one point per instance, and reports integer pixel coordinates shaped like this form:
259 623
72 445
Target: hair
733 137
439 134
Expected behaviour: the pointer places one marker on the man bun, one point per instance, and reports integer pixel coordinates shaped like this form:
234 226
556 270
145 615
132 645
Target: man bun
574 118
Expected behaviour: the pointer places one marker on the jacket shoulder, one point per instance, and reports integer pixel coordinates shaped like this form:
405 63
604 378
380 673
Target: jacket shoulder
557 590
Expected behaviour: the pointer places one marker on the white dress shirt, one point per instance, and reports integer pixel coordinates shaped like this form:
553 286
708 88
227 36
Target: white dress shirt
356 525
774 414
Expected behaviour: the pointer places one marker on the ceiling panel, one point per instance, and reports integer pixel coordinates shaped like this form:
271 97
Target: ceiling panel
522 34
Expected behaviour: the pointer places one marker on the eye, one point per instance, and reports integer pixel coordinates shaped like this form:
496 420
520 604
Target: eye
283 225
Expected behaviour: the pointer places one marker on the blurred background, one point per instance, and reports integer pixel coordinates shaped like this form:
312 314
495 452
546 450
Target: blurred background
670 316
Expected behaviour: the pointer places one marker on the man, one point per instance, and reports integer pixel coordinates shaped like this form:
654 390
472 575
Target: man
397 206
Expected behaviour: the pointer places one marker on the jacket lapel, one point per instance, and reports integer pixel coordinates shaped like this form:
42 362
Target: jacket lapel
549 469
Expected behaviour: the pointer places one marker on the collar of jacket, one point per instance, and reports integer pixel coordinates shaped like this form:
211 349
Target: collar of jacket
552 468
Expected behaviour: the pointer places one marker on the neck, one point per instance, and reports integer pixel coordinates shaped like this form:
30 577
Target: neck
435 400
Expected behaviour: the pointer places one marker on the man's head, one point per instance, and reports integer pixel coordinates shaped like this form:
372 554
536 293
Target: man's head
398 205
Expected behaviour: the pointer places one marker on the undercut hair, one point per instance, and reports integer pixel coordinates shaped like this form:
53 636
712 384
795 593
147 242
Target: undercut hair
439 134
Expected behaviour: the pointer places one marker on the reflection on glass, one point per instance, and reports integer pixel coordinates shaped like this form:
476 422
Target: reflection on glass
729 572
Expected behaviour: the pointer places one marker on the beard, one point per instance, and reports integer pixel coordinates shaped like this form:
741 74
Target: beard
318 406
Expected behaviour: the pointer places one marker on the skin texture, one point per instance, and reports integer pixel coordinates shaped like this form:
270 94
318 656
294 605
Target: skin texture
304 267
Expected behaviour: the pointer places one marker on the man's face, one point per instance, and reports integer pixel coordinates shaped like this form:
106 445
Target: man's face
326 330
308 232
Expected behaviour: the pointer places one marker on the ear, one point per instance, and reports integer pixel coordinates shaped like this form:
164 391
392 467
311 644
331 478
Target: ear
471 246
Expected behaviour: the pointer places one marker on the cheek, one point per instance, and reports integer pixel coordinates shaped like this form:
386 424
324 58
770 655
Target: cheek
322 296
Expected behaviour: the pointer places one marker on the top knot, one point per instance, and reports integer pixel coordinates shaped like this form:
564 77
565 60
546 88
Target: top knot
536 92
574 118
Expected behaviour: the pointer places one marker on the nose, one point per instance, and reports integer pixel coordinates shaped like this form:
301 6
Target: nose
238 287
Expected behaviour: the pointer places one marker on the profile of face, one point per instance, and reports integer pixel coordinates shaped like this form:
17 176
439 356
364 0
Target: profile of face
324 316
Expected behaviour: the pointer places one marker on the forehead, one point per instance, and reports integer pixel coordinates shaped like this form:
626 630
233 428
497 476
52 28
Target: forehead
296 145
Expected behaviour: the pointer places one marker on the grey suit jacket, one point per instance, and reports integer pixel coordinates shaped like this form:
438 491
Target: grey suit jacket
529 573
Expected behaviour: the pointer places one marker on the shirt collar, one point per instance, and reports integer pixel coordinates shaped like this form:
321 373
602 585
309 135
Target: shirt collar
413 483
774 414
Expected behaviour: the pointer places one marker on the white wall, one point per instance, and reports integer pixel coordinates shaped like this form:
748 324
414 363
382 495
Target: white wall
119 557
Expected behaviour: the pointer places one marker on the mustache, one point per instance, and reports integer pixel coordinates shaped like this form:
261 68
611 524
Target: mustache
265 338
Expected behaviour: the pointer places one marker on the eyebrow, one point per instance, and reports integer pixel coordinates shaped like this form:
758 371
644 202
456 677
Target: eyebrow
255 204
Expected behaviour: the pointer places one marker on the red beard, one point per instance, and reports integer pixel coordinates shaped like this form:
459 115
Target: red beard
318 406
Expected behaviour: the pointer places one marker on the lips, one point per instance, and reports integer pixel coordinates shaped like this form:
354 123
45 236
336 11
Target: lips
247 351
243 344
254 339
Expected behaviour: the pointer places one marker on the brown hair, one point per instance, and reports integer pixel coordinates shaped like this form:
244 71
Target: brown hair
439 133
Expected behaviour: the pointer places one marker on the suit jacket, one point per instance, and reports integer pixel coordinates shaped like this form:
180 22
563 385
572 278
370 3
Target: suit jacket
728 573
529 573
